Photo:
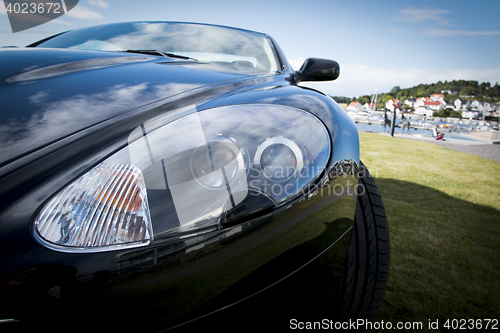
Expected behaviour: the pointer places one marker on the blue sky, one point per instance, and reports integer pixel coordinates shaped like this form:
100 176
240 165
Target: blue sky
377 43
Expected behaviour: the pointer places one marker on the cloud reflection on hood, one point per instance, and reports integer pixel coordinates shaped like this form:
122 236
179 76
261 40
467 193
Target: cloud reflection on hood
57 118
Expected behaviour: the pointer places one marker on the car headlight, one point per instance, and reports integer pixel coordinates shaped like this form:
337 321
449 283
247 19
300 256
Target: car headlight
279 158
107 207
188 174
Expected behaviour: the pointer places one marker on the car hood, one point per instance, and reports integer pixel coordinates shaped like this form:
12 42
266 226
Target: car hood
46 94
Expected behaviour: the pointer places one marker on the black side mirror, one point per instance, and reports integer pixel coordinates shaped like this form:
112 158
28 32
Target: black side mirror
315 69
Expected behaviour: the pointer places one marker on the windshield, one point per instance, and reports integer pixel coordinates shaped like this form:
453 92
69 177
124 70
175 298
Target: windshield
221 47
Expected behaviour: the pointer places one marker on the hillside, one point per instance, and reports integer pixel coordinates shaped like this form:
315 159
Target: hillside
462 89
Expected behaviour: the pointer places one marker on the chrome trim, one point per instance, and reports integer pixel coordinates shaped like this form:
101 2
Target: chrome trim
237 151
283 141
94 249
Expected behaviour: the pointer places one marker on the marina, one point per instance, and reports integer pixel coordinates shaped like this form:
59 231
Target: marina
472 131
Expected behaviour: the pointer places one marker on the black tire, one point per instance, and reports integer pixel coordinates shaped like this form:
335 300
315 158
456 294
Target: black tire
366 270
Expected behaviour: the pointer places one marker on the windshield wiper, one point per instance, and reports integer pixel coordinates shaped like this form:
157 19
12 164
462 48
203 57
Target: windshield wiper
163 54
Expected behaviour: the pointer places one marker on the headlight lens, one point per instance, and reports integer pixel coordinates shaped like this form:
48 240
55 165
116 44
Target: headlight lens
107 207
219 154
186 175
279 158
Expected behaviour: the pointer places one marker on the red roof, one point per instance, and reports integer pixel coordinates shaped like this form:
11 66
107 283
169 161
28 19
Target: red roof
394 102
432 103
353 103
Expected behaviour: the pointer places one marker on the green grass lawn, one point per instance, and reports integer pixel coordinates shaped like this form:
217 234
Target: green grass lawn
443 209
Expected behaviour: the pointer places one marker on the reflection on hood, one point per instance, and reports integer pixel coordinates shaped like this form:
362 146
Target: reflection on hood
47 94
57 118
74 66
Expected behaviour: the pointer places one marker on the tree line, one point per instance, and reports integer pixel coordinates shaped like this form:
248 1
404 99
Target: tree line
461 89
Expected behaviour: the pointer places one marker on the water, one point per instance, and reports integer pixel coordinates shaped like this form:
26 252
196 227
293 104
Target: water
424 128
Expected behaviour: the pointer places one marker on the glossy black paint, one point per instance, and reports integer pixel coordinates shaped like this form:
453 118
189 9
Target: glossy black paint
316 69
78 118
44 104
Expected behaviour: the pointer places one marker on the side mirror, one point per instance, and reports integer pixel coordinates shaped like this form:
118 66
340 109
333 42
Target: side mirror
315 69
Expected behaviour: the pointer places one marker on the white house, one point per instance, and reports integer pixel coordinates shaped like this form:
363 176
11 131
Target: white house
476 104
488 107
435 105
393 104
449 91
437 97
459 104
470 114
355 106
419 102
425 111
369 106
466 105
410 101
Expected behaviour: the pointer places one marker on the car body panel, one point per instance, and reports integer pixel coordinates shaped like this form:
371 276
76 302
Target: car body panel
43 89
173 280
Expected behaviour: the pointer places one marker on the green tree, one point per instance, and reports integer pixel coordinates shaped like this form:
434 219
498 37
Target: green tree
363 99
395 90
342 99
421 92
384 98
401 95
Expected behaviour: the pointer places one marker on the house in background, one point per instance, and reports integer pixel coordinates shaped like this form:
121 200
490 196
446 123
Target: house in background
470 114
355 106
410 102
476 105
424 111
487 107
435 105
482 106
370 106
449 91
437 98
420 102
461 105
393 104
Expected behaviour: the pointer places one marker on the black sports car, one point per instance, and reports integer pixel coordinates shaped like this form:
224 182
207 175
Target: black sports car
158 175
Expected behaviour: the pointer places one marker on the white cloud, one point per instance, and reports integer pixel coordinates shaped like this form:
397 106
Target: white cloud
448 32
357 80
57 21
83 13
99 3
436 16
417 15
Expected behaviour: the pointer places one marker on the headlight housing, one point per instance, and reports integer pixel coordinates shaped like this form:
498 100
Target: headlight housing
105 208
188 174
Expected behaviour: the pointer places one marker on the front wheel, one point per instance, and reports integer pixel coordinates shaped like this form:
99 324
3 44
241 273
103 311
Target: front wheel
366 270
